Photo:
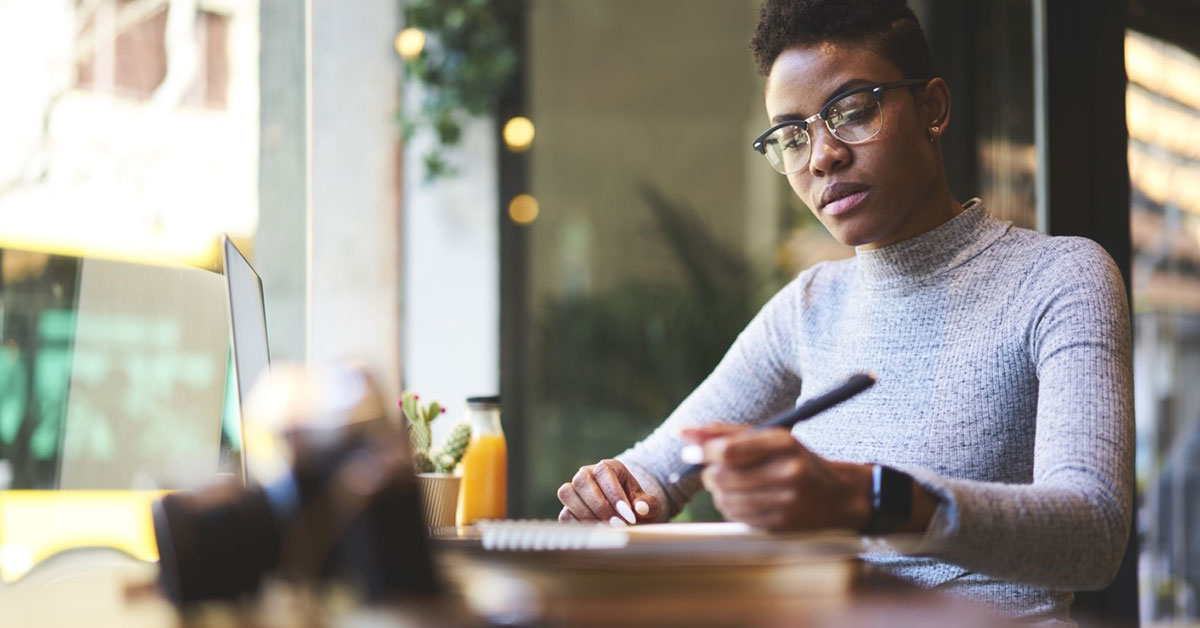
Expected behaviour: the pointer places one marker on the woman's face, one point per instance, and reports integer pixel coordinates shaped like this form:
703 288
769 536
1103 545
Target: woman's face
877 192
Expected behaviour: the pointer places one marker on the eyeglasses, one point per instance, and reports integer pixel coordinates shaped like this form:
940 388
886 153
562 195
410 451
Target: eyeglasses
853 117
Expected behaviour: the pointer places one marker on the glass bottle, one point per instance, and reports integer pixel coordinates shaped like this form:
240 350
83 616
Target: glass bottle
483 493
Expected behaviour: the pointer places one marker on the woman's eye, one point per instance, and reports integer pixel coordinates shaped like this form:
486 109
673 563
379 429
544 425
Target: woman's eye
853 115
794 141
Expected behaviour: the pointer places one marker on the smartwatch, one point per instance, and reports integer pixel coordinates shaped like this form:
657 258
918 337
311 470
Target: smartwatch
891 500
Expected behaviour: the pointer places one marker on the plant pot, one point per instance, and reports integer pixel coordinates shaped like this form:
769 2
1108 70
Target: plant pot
439 497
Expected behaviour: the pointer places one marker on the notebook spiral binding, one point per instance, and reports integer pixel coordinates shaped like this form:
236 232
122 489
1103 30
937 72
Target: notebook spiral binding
545 535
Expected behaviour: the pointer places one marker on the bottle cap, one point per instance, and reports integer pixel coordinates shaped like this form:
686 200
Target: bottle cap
484 400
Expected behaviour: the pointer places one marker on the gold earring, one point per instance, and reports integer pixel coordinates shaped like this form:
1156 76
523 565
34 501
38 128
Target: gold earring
933 133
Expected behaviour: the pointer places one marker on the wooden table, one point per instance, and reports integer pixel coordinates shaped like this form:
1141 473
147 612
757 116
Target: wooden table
813 580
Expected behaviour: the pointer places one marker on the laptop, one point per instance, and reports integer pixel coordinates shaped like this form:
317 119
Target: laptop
248 327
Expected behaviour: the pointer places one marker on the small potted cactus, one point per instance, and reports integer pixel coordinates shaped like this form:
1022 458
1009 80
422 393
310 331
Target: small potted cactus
436 481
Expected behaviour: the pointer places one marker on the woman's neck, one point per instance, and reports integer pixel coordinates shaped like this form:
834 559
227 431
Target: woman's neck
937 208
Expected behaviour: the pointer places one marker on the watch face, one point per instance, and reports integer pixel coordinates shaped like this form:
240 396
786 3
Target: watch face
891 500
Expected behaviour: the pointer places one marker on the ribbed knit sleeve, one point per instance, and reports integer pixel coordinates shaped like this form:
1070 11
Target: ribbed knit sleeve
1068 528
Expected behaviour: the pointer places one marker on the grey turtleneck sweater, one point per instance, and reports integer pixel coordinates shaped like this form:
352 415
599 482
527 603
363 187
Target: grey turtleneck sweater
1004 388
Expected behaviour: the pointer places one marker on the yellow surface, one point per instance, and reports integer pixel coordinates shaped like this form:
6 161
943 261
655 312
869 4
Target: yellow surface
483 493
201 252
35 525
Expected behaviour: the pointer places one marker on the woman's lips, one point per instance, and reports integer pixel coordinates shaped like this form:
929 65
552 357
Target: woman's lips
844 204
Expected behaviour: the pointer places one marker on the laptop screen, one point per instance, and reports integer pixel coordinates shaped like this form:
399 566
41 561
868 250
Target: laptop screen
248 321
111 373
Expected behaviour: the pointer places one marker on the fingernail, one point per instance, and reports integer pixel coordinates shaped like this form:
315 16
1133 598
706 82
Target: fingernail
692 454
617 521
641 507
626 512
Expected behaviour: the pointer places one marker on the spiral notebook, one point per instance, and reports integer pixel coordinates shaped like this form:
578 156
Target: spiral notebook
700 538
718 556
538 535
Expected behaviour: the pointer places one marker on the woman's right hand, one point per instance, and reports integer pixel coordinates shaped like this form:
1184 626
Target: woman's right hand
607 491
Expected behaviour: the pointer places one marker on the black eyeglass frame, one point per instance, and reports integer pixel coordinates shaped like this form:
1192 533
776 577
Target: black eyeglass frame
877 90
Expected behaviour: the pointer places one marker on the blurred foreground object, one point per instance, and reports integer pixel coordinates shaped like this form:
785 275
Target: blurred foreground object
342 510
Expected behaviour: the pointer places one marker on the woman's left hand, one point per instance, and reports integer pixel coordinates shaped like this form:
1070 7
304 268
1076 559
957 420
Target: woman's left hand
767 479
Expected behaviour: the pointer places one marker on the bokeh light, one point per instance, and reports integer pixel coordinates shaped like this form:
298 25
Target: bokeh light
518 134
410 42
523 209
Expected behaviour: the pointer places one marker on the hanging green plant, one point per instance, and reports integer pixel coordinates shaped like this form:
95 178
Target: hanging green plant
461 51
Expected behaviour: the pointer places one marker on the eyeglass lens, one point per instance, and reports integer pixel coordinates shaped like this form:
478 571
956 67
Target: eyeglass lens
855 118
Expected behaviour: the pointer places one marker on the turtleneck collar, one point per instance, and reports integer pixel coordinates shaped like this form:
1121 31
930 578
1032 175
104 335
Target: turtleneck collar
939 249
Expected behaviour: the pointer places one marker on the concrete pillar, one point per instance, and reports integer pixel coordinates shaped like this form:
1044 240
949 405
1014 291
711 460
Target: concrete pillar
355 229
328 243
281 244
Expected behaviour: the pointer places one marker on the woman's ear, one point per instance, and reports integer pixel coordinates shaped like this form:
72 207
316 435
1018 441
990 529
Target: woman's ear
935 107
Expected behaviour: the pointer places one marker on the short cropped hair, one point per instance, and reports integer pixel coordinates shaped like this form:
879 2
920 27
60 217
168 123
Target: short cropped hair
888 26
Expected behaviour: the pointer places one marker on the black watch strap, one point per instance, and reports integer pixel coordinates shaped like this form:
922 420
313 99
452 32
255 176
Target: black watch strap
891 500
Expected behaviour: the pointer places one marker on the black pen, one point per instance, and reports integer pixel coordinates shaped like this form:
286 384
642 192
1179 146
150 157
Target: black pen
856 384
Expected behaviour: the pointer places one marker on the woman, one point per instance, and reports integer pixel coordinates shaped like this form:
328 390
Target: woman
1001 425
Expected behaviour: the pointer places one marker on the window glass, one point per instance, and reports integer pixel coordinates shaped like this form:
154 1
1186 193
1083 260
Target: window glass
660 232
130 134
130 129
984 51
1163 109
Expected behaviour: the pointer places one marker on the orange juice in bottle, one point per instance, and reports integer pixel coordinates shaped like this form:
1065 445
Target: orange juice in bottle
483 492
